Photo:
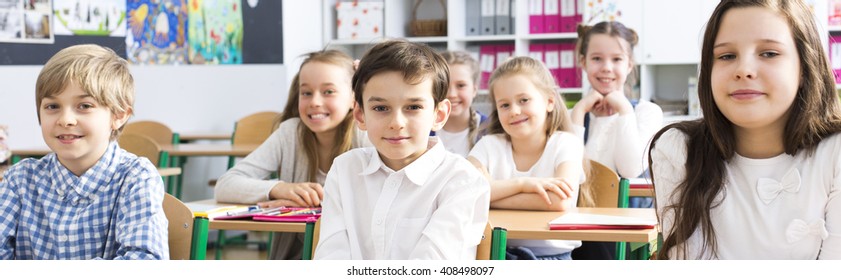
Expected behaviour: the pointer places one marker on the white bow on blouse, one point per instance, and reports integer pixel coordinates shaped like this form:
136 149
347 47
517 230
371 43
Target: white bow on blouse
799 229
769 189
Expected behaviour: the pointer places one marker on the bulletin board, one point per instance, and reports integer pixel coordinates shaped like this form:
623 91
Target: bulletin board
262 38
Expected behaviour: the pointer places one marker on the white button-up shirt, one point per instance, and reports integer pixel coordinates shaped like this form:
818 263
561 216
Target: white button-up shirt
434 208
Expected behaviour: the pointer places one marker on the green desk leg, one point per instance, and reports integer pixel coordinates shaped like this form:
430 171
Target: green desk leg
308 236
177 180
499 241
198 248
624 193
15 159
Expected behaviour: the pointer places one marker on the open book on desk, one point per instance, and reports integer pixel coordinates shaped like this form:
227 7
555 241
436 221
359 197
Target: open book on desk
581 221
294 215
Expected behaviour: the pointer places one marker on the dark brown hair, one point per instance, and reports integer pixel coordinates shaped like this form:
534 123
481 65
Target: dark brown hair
306 138
415 61
814 115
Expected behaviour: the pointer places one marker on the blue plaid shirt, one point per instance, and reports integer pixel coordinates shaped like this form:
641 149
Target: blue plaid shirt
113 211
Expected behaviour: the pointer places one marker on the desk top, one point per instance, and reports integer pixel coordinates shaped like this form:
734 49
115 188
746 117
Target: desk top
32 151
194 136
522 224
220 149
207 204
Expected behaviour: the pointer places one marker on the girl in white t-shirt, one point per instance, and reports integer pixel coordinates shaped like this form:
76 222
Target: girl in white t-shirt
465 125
316 126
531 158
759 177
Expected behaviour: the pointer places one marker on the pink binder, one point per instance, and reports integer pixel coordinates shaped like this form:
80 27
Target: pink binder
551 56
536 17
567 65
300 215
487 59
551 16
567 17
536 51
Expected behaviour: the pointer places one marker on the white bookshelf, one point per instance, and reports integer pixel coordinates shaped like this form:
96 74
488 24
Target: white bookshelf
667 54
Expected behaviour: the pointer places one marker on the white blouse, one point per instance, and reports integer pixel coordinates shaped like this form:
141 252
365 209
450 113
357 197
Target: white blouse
785 207
621 142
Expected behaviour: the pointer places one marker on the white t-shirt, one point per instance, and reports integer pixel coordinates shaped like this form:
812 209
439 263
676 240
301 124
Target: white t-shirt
434 208
455 142
494 153
785 207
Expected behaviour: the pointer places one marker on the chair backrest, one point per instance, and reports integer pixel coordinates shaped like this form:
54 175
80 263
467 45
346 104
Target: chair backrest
605 185
483 251
180 227
159 132
141 146
255 128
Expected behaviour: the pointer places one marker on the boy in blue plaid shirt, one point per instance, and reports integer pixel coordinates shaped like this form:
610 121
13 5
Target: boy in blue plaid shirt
88 199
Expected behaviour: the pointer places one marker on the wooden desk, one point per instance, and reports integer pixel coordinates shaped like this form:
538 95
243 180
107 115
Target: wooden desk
201 225
197 150
179 151
195 136
641 192
19 154
522 224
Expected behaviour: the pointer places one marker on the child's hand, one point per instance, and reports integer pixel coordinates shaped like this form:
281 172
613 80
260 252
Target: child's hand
618 103
278 203
542 187
591 100
304 194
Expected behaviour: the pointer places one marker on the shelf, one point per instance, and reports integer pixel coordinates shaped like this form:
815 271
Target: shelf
836 28
551 36
350 42
561 91
436 39
487 38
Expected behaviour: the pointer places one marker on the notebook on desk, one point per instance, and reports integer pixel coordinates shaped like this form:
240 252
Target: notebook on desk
294 215
580 221
639 183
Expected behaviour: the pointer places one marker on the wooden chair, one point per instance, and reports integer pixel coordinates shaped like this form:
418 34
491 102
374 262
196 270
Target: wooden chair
483 251
253 129
609 191
605 185
180 227
144 146
159 132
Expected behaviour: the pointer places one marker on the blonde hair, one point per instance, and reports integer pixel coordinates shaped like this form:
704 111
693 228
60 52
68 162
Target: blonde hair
97 70
306 138
557 120
474 126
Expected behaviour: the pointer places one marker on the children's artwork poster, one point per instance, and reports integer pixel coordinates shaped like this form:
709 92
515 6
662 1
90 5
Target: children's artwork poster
602 10
90 17
156 31
26 21
215 32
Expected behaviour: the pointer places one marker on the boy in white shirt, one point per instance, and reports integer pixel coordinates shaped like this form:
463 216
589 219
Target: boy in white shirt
406 197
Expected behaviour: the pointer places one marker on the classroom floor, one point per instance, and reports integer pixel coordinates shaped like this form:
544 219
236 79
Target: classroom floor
241 251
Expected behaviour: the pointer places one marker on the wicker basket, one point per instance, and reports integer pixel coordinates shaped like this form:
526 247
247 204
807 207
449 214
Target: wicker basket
428 27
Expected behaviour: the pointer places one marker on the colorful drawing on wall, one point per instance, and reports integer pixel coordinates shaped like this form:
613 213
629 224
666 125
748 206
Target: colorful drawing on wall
156 31
602 10
215 35
26 21
90 17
